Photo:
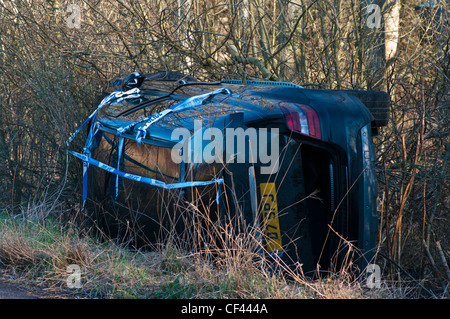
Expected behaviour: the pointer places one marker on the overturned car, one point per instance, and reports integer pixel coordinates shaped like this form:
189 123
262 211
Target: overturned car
166 154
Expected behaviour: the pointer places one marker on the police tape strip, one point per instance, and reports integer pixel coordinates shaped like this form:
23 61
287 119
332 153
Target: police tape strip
132 160
117 97
113 97
193 101
143 179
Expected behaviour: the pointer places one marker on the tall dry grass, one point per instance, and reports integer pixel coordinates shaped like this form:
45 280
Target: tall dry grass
37 252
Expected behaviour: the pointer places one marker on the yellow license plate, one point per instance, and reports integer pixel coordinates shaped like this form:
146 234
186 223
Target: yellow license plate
270 217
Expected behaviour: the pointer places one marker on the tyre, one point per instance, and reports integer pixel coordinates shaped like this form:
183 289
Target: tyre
377 102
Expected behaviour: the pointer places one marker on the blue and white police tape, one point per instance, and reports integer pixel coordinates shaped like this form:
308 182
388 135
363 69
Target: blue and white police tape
115 96
143 179
193 101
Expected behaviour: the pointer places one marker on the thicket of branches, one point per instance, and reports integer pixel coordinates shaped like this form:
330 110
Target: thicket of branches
51 72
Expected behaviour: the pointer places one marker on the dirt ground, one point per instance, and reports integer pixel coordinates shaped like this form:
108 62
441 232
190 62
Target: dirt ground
11 290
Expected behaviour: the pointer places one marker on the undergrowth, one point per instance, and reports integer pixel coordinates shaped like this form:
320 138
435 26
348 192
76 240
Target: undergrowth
38 253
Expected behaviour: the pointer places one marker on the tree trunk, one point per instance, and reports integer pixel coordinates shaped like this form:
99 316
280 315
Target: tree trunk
391 26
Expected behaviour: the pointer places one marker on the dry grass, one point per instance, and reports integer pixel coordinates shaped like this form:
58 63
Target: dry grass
39 253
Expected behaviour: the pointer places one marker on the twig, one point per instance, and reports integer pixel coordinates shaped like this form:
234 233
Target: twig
433 265
255 61
430 258
441 254
406 273
294 29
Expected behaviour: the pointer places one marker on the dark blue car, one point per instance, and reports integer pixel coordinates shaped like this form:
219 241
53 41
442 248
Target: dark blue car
168 156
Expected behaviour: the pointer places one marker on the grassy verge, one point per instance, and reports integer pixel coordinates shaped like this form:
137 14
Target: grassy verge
37 253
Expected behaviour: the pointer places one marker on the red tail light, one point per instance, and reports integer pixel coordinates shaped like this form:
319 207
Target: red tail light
301 119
